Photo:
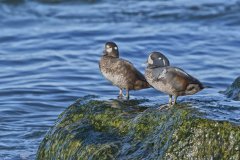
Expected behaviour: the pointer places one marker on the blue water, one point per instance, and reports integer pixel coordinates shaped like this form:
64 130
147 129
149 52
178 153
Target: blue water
49 52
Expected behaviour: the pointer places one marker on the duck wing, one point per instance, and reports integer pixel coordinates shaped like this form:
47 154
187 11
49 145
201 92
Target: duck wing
177 78
135 77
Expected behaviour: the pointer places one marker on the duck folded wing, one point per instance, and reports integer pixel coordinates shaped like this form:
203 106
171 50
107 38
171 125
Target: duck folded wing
135 77
177 78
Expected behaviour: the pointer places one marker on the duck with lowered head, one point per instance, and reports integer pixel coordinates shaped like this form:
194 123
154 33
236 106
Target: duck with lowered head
168 79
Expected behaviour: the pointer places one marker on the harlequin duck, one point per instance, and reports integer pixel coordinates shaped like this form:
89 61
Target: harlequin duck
170 80
120 72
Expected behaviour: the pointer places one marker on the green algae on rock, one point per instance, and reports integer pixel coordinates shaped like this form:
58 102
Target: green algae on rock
233 91
92 129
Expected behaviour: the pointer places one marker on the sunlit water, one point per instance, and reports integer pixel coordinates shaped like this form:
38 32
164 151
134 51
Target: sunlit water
49 55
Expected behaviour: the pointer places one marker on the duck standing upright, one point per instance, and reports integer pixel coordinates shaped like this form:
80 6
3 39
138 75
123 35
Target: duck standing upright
170 80
120 72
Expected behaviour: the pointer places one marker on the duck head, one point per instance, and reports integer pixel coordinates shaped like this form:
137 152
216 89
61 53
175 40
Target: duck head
157 59
111 50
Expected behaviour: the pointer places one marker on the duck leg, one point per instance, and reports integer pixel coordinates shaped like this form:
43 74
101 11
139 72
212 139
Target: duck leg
120 96
127 94
170 100
175 100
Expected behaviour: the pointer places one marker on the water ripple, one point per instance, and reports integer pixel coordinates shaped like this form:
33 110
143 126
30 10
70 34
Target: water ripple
49 52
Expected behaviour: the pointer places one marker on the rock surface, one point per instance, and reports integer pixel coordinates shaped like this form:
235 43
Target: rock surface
233 91
92 129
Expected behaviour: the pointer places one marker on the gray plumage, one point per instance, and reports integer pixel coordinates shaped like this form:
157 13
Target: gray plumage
170 80
120 72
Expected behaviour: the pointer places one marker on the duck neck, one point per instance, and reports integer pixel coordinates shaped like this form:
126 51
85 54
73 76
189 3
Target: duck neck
154 66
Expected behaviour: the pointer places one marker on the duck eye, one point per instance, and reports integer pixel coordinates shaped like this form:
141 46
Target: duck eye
160 58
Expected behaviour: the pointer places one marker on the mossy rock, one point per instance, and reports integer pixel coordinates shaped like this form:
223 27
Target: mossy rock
92 129
233 91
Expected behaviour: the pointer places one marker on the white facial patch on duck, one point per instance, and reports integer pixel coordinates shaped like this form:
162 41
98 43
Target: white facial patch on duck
162 75
179 70
164 63
109 50
150 61
115 48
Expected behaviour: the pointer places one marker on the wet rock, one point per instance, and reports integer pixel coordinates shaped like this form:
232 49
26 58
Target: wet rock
92 129
233 91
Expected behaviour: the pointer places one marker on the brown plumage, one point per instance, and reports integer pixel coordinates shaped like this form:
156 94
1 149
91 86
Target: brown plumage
170 80
120 72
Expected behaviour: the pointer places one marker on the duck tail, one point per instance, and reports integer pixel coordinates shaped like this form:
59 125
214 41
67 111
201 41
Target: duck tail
206 86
